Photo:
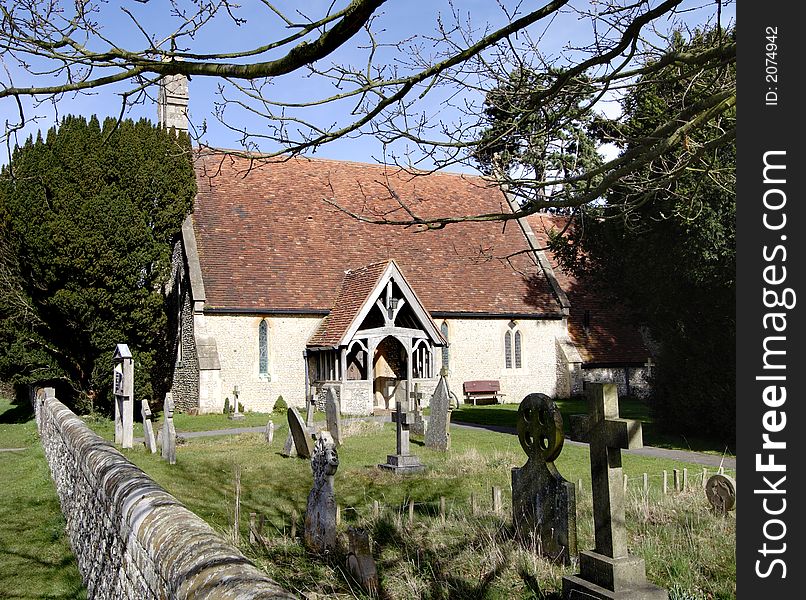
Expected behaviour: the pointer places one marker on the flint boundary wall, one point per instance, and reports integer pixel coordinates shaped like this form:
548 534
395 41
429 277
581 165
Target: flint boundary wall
131 538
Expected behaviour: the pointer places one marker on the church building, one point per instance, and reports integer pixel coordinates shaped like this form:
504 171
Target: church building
284 289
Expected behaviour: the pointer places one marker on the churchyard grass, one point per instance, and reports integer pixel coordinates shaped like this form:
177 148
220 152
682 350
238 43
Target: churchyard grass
687 548
629 408
104 427
35 556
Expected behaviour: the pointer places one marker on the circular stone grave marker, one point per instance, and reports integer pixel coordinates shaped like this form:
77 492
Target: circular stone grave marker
540 428
721 493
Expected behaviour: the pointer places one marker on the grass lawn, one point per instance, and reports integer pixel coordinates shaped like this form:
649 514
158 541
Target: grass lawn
629 408
35 556
686 547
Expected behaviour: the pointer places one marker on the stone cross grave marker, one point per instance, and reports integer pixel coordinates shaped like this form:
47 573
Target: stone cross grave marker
148 427
333 415
236 414
168 437
543 502
721 493
123 390
608 572
299 433
320 514
403 462
438 433
418 425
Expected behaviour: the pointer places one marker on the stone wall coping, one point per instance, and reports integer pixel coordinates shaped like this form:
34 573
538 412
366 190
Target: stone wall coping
165 542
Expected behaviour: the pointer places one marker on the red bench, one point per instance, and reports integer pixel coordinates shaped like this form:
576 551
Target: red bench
482 391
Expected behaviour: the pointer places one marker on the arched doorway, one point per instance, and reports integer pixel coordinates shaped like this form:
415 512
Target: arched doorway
390 369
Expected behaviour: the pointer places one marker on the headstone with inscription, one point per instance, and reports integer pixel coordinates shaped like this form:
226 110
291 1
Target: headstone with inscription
123 392
168 437
360 560
333 415
320 514
721 493
148 427
543 502
609 572
438 433
268 432
299 433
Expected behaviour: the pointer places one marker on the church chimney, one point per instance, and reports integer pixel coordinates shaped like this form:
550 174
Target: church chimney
172 103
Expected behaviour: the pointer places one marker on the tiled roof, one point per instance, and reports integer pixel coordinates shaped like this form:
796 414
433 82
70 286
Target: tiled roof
268 241
612 336
355 288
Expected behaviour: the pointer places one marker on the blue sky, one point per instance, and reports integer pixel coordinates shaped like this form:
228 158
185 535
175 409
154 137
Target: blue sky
397 20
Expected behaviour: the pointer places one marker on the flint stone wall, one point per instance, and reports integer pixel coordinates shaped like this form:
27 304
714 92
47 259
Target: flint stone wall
131 538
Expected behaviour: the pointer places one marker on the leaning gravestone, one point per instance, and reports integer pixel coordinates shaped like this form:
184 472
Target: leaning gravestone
168 437
299 433
543 502
123 391
609 572
438 432
721 493
333 415
320 514
148 427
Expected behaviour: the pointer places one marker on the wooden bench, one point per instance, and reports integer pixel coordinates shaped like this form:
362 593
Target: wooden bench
482 391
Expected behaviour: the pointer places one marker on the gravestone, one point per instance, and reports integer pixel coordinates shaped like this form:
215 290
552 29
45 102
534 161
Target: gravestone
438 434
333 415
148 427
168 437
299 433
721 493
418 424
288 447
320 514
269 432
236 414
360 561
123 391
404 461
310 407
543 502
609 572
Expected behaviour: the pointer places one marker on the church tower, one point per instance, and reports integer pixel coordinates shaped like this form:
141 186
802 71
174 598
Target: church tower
172 103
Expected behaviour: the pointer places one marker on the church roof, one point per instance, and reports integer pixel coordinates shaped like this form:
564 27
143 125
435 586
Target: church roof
355 289
268 240
359 289
611 336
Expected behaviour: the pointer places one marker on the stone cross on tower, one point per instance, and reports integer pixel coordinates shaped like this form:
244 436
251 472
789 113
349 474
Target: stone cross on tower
609 572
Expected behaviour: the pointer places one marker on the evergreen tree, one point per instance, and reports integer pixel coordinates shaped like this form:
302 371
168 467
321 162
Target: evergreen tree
673 257
88 218
544 141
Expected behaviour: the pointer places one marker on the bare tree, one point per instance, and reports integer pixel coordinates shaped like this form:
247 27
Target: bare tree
379 86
